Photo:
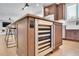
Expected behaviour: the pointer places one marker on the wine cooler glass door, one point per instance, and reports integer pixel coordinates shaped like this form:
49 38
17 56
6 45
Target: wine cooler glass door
43 37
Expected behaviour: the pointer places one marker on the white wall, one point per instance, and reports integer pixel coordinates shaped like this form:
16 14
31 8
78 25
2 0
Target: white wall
14 11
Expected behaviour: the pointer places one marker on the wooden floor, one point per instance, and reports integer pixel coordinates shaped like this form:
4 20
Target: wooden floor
69 48
4 51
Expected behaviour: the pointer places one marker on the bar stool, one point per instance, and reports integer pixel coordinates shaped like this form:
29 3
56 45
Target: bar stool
10 38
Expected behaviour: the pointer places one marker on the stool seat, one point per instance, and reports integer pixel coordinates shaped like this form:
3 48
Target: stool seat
12 28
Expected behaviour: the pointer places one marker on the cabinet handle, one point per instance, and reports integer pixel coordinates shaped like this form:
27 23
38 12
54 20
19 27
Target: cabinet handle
32 23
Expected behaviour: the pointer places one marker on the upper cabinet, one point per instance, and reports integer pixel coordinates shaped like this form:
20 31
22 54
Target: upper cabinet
56 9
61 9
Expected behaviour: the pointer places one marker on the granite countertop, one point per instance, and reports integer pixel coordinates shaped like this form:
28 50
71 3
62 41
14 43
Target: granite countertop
34 16
72 29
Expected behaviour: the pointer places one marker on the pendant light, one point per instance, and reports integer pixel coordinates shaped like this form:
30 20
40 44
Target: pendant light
26 5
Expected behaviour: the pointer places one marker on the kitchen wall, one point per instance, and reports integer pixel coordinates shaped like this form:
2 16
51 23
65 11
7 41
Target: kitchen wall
15 12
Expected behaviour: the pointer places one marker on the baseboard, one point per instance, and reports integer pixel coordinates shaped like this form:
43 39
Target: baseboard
71 39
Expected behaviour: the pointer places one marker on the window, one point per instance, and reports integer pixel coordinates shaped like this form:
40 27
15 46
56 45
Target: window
71 11
78 10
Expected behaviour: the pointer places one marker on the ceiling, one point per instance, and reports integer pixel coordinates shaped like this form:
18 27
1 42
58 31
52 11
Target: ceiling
14 10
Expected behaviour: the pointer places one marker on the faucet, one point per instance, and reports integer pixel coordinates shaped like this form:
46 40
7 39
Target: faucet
77 22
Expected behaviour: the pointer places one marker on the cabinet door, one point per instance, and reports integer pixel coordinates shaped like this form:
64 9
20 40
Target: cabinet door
60 11
68 34
52 9
76 35
72 34
58 34
22 38
43 37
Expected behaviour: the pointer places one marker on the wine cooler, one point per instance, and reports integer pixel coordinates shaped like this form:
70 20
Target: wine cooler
43 37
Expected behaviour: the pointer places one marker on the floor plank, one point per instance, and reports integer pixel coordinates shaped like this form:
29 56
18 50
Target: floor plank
4 51
69 48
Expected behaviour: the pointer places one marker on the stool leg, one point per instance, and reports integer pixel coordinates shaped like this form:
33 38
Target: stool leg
6 37
15 37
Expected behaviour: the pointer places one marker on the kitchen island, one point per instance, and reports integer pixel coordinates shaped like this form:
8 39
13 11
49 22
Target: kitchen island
37 36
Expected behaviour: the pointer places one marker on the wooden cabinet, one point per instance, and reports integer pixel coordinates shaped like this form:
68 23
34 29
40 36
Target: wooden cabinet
72 34
52 9
56 9
22 38
61 10
25 37
58 34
